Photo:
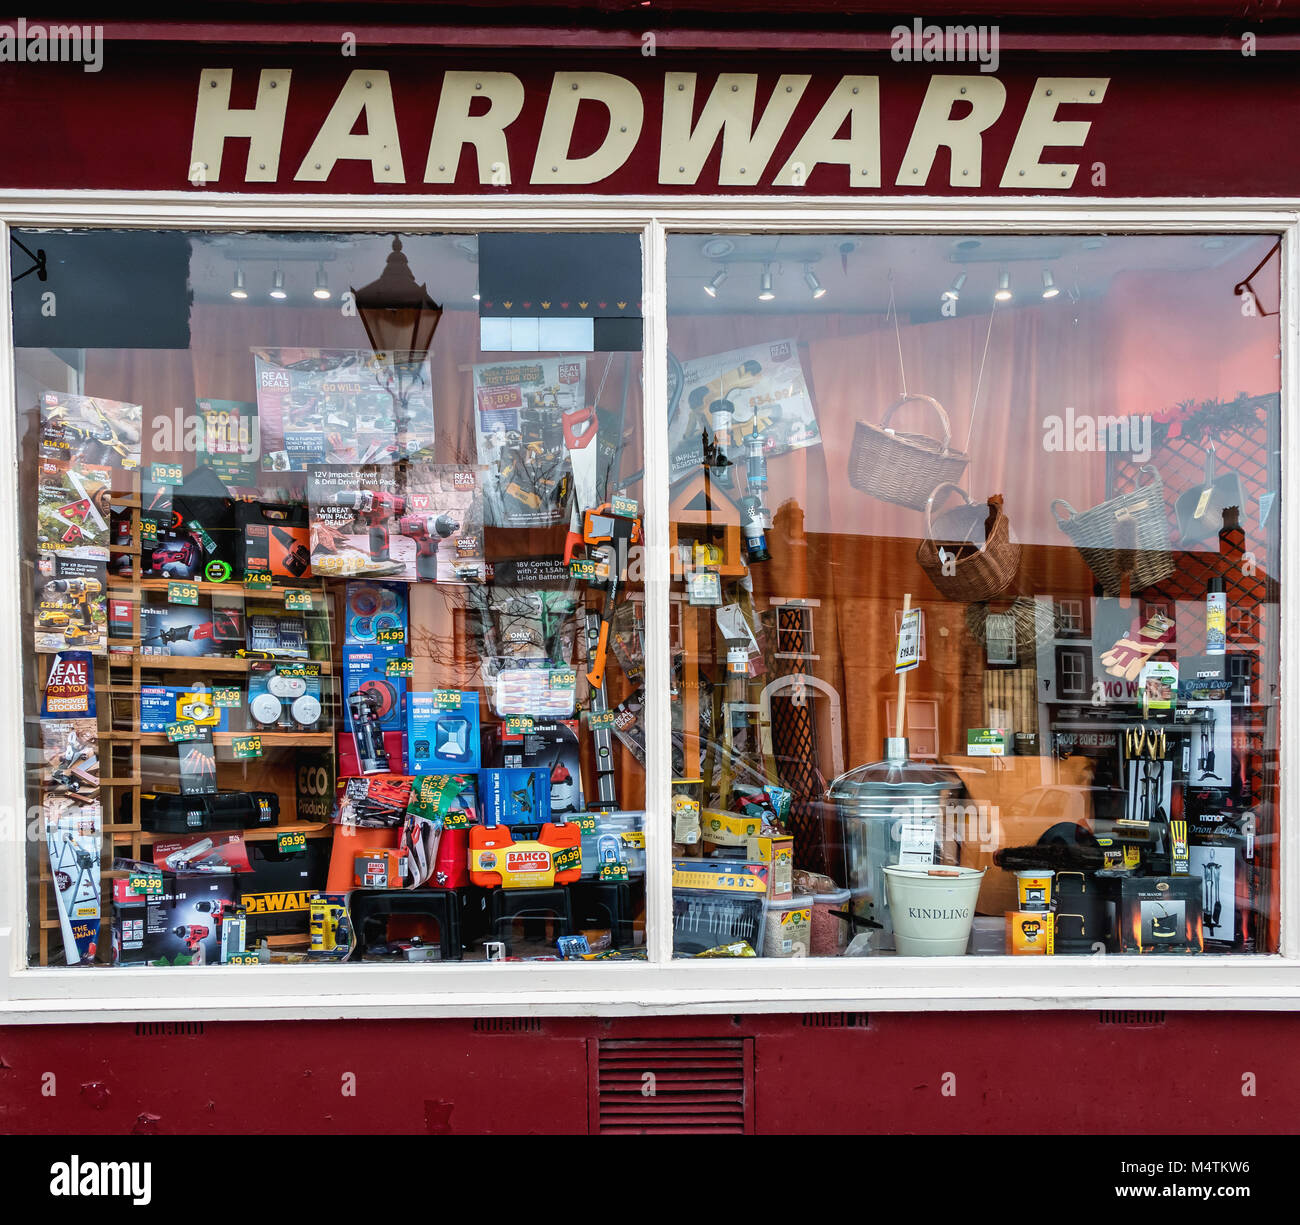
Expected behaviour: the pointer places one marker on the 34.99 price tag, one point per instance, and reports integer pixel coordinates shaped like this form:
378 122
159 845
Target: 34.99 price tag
227 695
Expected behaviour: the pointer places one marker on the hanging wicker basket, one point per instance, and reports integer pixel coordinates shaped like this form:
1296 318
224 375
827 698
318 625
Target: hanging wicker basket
1128 534
968 553
904 468
1036 623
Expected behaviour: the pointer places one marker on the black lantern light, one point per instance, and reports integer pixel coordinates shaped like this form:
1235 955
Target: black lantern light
399 316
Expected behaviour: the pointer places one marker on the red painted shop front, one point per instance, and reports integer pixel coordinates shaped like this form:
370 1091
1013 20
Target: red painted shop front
809 119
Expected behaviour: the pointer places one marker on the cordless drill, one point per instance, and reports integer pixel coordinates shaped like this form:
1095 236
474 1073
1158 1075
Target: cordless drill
427 531
374 509
194 935
79 591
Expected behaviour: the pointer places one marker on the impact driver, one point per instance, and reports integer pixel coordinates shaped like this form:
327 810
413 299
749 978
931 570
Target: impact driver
428 531
374 509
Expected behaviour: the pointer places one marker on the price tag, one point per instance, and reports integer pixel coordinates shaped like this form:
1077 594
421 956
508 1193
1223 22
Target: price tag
257 580
563 678
227 695
908 655
148 885
569 857
246 747
582 568
446 699
394 635
459 819
177 732
603 718
297 598
291 843
182 593
399 667
586 822
148 531
243 959
613 871
625 508
166 474
518 724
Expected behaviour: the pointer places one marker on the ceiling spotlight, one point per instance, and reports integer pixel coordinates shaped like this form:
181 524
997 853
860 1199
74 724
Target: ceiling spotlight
476 297
953 292
765 293
810 279
239 291
322 290
715 283
1050 289
1003 293
277 285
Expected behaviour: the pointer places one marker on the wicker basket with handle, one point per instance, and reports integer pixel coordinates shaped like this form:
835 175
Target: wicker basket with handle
976 541
1127 534
904 468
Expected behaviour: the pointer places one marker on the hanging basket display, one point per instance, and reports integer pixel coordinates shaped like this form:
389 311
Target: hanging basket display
904 468
968 553
1036 623
1128 534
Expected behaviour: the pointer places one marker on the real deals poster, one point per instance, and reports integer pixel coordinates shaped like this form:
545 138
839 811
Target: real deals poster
341 406
520 414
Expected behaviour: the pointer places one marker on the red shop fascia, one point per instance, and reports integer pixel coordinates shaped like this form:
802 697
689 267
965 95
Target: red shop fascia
799 102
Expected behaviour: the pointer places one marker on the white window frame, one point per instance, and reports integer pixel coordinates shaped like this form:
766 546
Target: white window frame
661 985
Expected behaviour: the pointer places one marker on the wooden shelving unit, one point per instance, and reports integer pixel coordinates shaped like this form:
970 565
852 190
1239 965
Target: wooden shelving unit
122 746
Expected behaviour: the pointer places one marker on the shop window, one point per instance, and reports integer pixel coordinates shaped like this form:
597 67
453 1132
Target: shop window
997 433
333 639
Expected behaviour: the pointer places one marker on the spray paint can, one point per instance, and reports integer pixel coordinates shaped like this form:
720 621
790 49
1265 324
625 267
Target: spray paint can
751 527
1216 618
755 462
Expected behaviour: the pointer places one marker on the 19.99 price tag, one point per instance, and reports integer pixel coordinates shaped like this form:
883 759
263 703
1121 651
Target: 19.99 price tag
166 474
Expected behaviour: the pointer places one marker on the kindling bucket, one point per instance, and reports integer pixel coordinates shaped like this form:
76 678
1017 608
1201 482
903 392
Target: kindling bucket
932 909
